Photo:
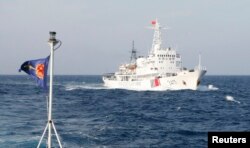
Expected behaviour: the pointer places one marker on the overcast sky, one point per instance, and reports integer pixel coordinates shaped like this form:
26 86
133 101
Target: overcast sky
97 35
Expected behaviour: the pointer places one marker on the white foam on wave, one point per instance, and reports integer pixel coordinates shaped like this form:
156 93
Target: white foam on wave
211 87
19 139
230 98
70 87
207 88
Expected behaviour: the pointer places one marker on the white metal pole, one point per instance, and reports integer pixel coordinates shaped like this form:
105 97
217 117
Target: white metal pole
50 92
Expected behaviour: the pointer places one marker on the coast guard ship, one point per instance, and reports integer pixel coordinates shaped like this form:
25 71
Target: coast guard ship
160 70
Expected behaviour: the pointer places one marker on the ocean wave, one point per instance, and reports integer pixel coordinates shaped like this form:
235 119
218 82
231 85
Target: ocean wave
207 88
231 98
99 118
70 87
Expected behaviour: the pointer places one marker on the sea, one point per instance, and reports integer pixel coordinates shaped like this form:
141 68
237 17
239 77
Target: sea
87 114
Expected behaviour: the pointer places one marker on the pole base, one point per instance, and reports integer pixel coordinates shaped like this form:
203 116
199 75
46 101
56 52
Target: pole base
54 128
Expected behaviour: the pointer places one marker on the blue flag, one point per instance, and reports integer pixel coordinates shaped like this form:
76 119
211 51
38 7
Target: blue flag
37 69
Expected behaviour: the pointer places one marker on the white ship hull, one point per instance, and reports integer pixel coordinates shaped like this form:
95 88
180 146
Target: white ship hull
183 80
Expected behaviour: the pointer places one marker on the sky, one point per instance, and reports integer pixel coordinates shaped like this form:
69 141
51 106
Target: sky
97 35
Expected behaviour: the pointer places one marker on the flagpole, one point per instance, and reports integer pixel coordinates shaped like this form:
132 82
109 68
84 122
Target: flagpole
52 42
50 125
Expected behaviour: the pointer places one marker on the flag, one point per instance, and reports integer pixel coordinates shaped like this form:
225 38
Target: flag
37 69
153 22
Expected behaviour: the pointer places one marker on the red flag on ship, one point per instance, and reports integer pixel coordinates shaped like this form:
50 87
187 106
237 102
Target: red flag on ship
153 22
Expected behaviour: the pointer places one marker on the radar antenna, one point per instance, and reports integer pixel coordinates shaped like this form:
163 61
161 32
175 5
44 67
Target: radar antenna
133 56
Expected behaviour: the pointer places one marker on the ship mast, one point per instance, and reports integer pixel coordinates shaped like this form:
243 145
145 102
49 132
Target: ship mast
199 65
156 45
133 56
